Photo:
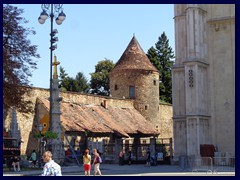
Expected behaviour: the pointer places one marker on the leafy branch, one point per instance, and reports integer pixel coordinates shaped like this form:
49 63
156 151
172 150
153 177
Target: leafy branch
48 134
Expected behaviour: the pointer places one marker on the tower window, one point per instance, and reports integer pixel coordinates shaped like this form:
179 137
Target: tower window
116 87
132 92
154 82
146 107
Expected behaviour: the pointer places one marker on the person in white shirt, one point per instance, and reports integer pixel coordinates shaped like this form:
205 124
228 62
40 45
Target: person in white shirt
51 168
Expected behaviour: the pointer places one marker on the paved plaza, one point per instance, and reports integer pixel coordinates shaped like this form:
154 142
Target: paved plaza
126 170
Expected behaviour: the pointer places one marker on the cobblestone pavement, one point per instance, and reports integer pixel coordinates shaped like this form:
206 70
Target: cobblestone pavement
126 170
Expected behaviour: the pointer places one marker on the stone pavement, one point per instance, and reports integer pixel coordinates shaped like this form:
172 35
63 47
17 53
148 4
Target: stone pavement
126 170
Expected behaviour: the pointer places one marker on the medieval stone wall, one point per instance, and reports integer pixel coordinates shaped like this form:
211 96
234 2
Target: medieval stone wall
165 121
25 121
95 99
28 125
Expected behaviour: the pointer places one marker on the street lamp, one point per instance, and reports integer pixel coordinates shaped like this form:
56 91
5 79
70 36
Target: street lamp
52 10
40 128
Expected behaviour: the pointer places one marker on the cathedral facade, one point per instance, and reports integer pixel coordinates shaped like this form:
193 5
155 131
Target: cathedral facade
203 78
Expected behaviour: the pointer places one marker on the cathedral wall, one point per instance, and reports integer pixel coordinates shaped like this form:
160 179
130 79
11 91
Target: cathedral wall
197 133
220 10
209 37
178 92
180 35
192 136
180 143
221 45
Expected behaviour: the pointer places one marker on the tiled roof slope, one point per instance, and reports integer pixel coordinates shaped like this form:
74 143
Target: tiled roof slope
97 119
134 58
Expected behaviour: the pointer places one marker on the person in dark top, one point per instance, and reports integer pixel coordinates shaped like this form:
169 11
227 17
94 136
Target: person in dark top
9 162
129 157
68 152
16 163
34 158
148 160
121 158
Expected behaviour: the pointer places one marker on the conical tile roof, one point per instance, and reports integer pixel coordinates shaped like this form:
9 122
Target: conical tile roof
134 58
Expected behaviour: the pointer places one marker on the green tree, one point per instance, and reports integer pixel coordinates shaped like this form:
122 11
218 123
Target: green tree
79 84
162 58
100 78
63 73
63 79
71 84
17 59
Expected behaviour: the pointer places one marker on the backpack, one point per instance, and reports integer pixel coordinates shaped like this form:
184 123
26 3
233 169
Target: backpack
99 159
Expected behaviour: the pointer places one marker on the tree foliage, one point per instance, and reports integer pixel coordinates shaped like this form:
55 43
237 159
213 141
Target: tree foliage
17 59
48 135
82 82
100 78
162 58
77 84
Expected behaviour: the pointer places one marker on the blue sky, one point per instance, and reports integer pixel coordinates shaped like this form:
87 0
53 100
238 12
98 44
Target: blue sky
93 32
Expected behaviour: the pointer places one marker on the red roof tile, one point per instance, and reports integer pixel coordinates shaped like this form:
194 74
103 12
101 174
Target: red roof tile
134 58
97 119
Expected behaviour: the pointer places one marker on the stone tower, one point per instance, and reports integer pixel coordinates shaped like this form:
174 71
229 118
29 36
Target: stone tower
203 78
136 78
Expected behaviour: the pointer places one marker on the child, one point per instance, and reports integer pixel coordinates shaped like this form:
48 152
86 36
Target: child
87 163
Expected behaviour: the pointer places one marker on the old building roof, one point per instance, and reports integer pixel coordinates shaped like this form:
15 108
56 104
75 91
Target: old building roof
134 58
124 122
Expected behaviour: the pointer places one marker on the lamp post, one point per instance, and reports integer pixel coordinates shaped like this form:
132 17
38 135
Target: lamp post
51 10
55 145
40 127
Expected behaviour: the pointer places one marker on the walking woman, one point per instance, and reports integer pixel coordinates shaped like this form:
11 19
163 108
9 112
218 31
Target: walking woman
87 163
96 162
